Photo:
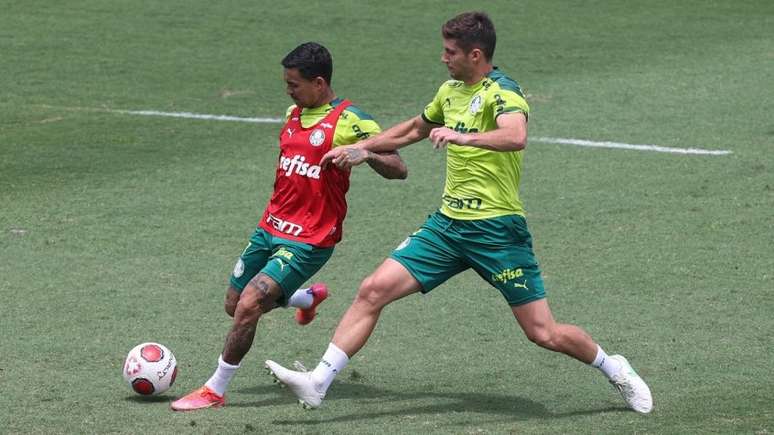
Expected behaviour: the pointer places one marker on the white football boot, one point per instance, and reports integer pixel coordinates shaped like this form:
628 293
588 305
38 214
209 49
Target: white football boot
300 383
631 386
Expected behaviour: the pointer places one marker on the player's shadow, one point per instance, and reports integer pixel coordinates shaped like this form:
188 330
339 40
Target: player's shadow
510 407
149 399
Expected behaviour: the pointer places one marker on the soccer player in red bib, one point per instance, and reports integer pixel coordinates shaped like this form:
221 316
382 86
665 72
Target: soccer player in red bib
303 220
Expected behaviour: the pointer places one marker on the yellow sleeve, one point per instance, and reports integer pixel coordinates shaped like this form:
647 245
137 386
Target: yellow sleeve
354 125
507 101
433 112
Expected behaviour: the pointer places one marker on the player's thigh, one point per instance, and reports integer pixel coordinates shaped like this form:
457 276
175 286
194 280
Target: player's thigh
260 295
429 256
535 319
291 264
500 251
389 282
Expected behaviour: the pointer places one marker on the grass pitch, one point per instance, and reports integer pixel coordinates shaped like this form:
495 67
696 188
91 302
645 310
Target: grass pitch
117 229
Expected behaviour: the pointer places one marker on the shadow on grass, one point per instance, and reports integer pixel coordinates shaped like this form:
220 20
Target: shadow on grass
150 399
508 406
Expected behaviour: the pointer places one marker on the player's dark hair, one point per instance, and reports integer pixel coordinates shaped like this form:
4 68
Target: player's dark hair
472 30
311 60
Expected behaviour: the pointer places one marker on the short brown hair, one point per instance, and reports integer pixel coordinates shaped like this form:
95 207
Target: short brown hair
472 30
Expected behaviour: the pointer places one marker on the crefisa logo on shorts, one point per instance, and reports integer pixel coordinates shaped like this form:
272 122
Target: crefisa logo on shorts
507 275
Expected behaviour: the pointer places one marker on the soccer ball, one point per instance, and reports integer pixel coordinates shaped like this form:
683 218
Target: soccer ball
150 369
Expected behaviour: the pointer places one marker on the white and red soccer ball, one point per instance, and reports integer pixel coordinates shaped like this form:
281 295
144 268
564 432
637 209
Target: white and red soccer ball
150 369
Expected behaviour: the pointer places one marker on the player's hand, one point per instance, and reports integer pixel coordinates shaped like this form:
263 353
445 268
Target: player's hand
442 136
344 157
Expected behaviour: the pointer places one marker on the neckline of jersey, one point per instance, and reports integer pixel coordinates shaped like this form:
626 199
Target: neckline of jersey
325 109
488 76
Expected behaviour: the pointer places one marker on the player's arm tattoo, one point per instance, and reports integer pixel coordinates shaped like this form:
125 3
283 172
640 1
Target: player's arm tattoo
355 156
389 165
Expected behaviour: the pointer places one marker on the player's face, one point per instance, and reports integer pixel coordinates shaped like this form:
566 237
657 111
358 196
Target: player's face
303 92
456 60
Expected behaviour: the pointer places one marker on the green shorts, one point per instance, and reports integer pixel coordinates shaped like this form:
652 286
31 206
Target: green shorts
287 262
498 249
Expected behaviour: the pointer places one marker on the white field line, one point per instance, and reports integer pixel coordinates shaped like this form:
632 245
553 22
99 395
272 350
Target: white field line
627 146
549 140
190 115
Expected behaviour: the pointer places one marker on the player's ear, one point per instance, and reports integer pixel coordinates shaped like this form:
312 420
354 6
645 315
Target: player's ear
476 55
320 82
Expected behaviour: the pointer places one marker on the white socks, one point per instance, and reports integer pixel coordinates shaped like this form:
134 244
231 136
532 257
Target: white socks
330 365
302 298
604 363
222 376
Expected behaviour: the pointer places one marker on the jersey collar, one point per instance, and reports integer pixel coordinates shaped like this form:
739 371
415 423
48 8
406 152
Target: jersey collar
491 75
325 108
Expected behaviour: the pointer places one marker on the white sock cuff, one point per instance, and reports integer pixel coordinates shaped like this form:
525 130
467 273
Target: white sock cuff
609 366
335 356
600 358
226 365
330 365
301 298
219 380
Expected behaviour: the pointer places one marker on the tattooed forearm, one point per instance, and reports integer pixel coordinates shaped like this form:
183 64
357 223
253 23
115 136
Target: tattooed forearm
388 165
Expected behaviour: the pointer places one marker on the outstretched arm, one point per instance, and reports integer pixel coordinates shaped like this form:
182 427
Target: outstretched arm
388 141
389 165
510 135
399 135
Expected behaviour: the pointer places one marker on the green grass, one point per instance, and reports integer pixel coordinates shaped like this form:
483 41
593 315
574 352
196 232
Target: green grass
117 229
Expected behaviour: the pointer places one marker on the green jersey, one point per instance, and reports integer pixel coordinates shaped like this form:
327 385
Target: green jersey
480 184
353 125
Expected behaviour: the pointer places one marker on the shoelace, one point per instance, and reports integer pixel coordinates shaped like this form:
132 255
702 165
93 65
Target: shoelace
627 390
622 386
208 393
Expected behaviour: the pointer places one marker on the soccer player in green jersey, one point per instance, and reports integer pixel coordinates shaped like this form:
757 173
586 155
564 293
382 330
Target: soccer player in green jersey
480 117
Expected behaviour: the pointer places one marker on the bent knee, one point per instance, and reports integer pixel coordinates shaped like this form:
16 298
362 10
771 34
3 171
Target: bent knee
255 303
231 300
248 310
230 308
543 337
259 295
372 293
